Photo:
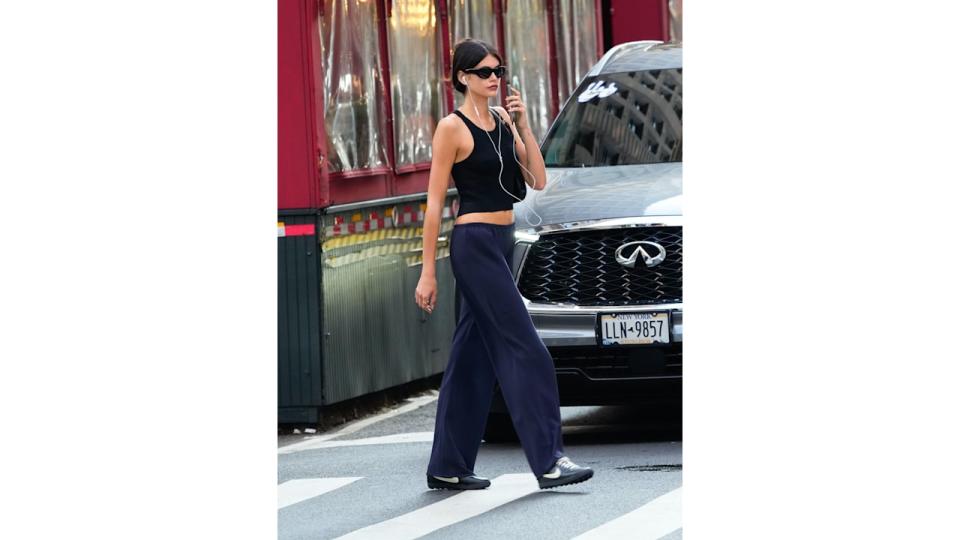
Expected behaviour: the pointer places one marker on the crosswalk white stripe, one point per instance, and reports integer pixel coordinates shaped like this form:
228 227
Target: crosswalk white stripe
465 505
415 436
309 444
301 489
651 521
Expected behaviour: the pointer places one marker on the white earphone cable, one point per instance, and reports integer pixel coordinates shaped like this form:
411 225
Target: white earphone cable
498 151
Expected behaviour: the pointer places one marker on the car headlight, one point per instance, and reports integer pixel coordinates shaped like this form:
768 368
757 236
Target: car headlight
528 238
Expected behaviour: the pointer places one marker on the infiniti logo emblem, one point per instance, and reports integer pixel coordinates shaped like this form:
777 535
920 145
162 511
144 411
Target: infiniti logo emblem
657 257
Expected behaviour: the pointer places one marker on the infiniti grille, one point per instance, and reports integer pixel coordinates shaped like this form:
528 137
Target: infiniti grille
579 267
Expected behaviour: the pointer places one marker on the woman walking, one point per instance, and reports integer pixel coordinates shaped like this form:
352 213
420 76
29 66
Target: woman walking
495 340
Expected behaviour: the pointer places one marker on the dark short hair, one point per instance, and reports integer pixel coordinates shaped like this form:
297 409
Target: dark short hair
467 53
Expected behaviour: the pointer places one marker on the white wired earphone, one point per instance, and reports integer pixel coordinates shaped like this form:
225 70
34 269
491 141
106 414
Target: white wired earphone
497 150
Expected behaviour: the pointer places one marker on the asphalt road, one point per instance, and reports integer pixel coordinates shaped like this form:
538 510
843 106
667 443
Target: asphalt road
367 480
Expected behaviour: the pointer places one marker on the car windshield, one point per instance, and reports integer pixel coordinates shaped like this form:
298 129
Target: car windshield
619 119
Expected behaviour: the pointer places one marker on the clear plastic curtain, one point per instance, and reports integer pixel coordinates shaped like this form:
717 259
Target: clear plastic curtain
473 19
676 20
415 77
529 68
352 85
576 30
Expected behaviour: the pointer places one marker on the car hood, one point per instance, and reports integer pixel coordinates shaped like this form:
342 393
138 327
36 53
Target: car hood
586 193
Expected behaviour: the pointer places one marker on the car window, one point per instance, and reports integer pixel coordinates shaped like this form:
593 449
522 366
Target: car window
619 119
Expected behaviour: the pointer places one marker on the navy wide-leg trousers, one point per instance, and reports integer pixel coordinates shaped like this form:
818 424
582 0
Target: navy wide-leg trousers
494 340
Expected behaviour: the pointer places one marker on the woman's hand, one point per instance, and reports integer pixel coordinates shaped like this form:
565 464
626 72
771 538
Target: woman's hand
426 293
515 104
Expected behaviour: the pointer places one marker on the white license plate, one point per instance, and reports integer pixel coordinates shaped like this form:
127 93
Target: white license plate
637 328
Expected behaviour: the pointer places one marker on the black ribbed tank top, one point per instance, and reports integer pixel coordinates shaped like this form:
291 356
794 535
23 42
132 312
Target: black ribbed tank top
476 176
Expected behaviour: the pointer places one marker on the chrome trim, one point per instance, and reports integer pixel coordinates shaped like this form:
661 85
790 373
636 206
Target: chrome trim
578 327
575 371
520 236
528 242
607 223
553 309
523 261
631 261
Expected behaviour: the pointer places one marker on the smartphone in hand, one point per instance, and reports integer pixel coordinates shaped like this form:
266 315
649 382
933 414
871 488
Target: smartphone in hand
510 86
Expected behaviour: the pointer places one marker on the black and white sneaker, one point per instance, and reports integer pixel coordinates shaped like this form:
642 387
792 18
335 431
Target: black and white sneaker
457 482
564 472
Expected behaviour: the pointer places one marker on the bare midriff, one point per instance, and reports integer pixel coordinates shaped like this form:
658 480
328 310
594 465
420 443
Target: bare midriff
500 217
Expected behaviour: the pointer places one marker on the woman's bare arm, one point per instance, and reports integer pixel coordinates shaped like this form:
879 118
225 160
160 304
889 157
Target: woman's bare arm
533 160
444 153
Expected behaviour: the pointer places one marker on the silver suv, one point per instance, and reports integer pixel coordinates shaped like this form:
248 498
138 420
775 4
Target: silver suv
601 275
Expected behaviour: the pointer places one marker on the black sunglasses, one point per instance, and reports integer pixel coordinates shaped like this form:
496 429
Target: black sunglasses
484 72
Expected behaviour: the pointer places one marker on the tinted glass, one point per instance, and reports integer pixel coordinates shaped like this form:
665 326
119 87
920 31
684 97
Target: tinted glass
619 119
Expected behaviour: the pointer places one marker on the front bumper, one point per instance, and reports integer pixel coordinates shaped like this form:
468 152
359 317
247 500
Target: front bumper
566 326
590 374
